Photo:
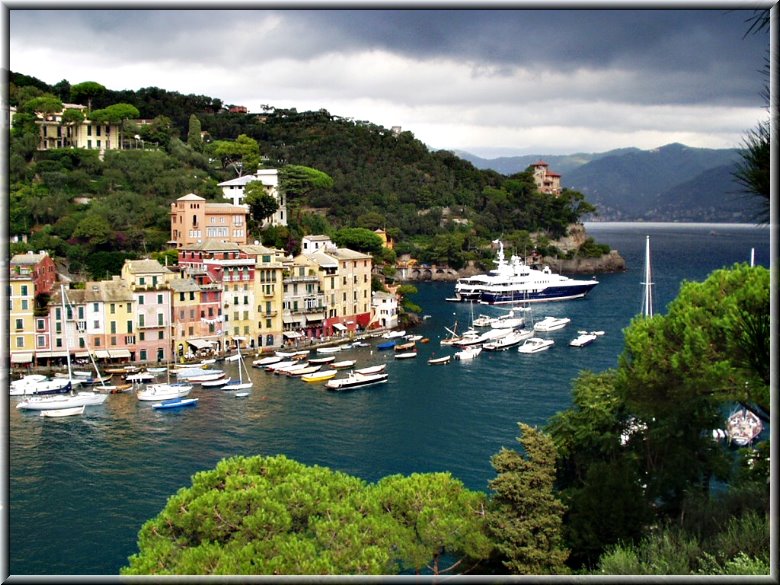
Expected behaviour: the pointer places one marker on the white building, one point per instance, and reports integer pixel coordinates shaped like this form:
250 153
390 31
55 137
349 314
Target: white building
234 190
385 309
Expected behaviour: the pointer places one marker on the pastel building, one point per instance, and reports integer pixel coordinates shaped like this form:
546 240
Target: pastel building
270 266
194 220
384 309
304 302
150 282
30 283
87 134
99 319
345 281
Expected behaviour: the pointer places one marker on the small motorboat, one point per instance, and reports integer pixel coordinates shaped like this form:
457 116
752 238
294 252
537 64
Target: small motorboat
406 355
342 365
175 403
371 370
440 361
267 361
241 394
219 382
551 323
355 381
535 345
469 353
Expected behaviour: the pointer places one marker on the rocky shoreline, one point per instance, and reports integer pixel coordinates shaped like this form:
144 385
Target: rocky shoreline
607 263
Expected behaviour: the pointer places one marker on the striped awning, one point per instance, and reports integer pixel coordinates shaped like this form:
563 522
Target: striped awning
102 354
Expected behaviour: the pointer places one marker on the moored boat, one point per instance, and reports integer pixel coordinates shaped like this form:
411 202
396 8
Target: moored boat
343 365
507 341
551 323
535 345
468 353
62 412
175 403
164 391
371 370
319 376
440 360
355 381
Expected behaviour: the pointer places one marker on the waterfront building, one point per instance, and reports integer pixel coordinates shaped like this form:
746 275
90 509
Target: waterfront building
345 280
304 302
384 309
31 280
225 264
194 220
150 282
192 330
99 318
269 178
268 294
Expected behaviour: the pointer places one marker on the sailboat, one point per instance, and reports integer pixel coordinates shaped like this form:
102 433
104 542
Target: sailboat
647 297
70 399
244 382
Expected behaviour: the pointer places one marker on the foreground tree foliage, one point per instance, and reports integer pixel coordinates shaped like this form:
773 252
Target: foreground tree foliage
643 432
526 516
273 515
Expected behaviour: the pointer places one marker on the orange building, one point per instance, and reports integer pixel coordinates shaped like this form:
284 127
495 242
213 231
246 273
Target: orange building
194 221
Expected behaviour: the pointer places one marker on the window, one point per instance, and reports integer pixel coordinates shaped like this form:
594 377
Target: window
129 326
113 340
160 335
25 305
95 324
112 308
19 324
40 341
141 320
142 336
113 326
143 355
20 342
40 324
159 299
82 343
95 307
141 300
58 342
160 319
81 313
97 342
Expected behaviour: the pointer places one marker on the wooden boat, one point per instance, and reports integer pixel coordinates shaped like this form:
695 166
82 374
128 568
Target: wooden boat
329 349
304 371
425 340
404 346
320 376
215 383
61 412
406 355
440 361
323 360
175 403
343 364
115 388
371 370
267 361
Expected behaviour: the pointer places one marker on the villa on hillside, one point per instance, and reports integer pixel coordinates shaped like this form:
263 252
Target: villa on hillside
193 221
269 178
546 181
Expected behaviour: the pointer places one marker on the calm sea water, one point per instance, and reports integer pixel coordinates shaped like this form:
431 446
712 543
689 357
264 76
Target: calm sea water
81 488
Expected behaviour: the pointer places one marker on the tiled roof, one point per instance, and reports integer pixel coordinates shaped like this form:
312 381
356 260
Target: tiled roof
145 267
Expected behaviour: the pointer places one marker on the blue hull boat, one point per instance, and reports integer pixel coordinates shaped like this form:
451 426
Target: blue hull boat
175 403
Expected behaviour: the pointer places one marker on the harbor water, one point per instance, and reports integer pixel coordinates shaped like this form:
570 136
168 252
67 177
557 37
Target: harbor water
81 487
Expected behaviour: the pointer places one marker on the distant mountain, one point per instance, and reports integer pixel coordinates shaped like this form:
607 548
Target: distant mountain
671 183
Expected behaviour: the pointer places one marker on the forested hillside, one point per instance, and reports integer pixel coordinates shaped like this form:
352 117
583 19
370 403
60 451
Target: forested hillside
98 211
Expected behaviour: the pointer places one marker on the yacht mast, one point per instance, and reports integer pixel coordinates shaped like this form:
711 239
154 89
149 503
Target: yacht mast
65 332
647 299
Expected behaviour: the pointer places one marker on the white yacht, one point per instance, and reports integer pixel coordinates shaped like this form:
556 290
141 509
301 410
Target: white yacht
514 281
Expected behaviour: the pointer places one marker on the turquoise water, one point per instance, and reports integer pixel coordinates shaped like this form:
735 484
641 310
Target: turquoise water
81 488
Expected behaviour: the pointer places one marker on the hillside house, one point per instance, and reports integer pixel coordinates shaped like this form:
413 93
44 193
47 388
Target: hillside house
269 178
546 180
193 221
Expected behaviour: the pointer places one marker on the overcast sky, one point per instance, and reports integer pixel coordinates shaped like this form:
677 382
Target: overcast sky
491 82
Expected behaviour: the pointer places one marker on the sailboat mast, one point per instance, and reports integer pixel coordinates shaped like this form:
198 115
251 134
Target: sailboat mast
647 300
65 330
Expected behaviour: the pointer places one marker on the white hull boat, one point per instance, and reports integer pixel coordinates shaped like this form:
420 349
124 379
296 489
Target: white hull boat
468 354
38 384
164 391
215 383
62 412
62 401
355 381
535 345
371 370
406 355
440 361
551 323
267 361
510 340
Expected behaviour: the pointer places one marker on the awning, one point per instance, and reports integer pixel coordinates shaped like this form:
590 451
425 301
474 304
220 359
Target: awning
286 319
119 353
22 357
339 326
315 317
292 334
50 354
199 343
102 354
82 354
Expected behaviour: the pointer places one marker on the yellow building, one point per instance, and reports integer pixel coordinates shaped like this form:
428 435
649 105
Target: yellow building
86 134
345 281
31 278
268 294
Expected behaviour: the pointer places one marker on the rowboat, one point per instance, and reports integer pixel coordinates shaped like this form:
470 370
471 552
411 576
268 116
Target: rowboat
343 364
175 403
320 376
60 412
440 361
371 370
406 355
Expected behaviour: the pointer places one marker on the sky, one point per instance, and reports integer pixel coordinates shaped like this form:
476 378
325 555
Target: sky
490 82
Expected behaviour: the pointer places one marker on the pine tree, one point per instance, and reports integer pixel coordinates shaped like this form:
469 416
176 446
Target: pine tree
525 517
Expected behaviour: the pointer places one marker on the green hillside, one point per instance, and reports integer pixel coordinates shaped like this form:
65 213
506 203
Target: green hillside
97 212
